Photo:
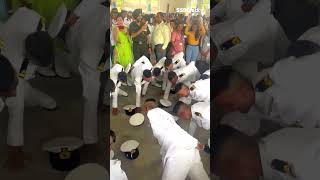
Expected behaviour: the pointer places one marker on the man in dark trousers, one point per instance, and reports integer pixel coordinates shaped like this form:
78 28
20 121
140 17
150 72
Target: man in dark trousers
139 33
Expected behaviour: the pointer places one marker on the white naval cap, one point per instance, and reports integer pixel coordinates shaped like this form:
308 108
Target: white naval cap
165 102
130 145
129 107
57 144
137 119
58 21
89 171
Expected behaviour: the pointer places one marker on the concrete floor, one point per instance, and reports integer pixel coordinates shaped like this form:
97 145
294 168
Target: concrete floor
41 125
148 165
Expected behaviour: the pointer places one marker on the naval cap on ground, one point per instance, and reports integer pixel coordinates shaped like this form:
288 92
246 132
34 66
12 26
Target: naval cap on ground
129 145
301 48
89 171
57 144
7 74
137 119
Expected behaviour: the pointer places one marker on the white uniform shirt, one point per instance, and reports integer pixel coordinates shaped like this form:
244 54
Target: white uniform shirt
201 114
187 75
291 98
178 61
265 44
114 71
297 146
200 90
137 76
116 173
171 137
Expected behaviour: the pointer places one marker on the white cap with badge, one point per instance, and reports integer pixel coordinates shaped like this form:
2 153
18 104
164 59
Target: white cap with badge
137 119
165 102
64 152
130 149
130 109
89 171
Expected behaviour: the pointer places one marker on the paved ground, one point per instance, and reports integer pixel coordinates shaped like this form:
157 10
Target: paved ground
148 165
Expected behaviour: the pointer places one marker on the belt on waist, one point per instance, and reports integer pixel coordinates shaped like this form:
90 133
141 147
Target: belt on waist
192 45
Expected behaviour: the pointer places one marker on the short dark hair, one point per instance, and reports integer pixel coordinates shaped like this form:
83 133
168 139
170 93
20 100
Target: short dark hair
167 62
301 48
150 100
39 45
156 72
147 73
179 86
177 107
122 76
202 66
171 75
204 76
7 74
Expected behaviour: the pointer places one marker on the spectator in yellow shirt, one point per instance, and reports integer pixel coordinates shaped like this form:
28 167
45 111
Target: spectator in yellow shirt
194 31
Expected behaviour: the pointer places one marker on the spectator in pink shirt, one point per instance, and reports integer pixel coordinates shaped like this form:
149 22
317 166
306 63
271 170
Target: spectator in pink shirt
177 39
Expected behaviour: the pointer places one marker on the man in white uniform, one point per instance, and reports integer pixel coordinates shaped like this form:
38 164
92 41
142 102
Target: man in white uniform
250 42
282 95
198 114
187 75
118 76
176 62
198 91
179 151
27 47
141 75
86 40
287 154
116 173
159 70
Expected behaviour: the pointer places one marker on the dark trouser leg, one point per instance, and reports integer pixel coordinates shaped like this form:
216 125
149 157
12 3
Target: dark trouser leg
159 53
136 51
145 50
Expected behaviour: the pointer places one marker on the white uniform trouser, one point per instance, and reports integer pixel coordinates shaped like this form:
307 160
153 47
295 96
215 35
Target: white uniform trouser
16 111
25 94
184 163
91 85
